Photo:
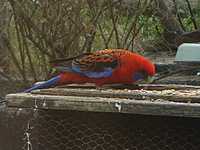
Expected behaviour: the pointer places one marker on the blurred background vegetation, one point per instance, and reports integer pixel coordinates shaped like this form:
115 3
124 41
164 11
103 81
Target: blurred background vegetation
32 32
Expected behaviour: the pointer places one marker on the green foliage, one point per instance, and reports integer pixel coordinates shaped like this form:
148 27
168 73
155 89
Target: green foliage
151 28
48 29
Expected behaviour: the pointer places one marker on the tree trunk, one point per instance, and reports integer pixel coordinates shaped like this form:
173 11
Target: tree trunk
4 21
172 28
173 32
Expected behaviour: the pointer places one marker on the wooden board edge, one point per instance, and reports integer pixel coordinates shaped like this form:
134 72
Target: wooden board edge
99 104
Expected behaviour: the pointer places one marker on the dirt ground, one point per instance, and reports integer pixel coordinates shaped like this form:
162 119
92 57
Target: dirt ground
7 87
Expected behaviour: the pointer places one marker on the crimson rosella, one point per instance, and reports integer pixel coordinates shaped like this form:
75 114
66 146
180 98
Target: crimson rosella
110 66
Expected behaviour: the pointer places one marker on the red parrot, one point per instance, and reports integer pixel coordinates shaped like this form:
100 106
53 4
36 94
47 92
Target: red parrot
110 66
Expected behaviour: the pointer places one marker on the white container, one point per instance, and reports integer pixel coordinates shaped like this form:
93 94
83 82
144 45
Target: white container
188 52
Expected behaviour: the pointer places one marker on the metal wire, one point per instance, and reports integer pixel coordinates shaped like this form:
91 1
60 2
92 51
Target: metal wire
73 130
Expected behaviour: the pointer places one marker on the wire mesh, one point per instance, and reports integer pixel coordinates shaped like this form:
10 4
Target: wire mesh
73 130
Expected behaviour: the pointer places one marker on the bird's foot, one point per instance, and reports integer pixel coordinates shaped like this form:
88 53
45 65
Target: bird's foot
103 87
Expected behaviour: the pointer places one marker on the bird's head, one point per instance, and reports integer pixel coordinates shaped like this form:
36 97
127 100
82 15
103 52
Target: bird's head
146 70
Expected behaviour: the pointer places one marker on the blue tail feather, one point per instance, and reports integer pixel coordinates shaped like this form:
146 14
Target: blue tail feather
46 84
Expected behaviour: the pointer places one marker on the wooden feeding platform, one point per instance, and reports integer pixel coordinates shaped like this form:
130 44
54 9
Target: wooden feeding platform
147 116
146 99
157 116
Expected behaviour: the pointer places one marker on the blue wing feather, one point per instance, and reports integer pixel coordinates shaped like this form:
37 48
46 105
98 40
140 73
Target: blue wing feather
103 74
107 72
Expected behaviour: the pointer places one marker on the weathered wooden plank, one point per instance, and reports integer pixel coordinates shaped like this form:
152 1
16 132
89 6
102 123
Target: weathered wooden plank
167 87
135 86
180 79
192 96
99 104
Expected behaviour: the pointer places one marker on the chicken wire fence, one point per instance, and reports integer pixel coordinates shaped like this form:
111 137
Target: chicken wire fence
31 129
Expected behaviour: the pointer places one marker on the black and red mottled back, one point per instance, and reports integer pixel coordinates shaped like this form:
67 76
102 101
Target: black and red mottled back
96 61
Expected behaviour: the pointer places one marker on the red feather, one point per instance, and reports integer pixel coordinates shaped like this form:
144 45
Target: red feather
101 67
129 63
